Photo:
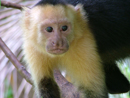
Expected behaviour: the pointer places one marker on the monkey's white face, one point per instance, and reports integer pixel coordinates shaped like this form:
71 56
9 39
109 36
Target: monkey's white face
55 33
51 28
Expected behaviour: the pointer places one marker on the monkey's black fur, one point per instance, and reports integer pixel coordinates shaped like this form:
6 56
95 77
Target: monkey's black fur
109 21
53 2
46 85
115 80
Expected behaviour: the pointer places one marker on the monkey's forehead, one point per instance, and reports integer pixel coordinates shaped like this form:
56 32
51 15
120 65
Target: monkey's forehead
51 12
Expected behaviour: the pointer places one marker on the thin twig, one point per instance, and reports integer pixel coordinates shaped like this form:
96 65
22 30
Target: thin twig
21 69
11 5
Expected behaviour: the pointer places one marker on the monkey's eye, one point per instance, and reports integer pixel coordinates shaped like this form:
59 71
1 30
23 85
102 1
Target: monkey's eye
49 29
64 28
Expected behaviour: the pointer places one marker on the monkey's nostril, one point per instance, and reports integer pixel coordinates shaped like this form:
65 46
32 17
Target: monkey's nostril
53 43
56 44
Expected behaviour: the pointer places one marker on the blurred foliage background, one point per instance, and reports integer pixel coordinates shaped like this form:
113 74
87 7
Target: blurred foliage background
12 85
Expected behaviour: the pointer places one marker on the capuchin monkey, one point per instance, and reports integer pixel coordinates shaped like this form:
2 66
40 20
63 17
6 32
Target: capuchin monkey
83 37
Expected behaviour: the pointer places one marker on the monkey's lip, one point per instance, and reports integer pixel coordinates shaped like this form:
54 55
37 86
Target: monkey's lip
58 51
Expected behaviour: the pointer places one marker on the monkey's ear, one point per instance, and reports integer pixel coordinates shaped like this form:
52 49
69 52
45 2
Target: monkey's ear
79 7
26 17
26 11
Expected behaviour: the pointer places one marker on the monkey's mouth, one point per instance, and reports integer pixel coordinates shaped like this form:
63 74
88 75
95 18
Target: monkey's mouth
57 51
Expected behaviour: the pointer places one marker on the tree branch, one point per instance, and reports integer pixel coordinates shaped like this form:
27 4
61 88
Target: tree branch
21 69
68 90
11 5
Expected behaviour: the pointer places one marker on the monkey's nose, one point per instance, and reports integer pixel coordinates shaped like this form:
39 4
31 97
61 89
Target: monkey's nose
57 43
